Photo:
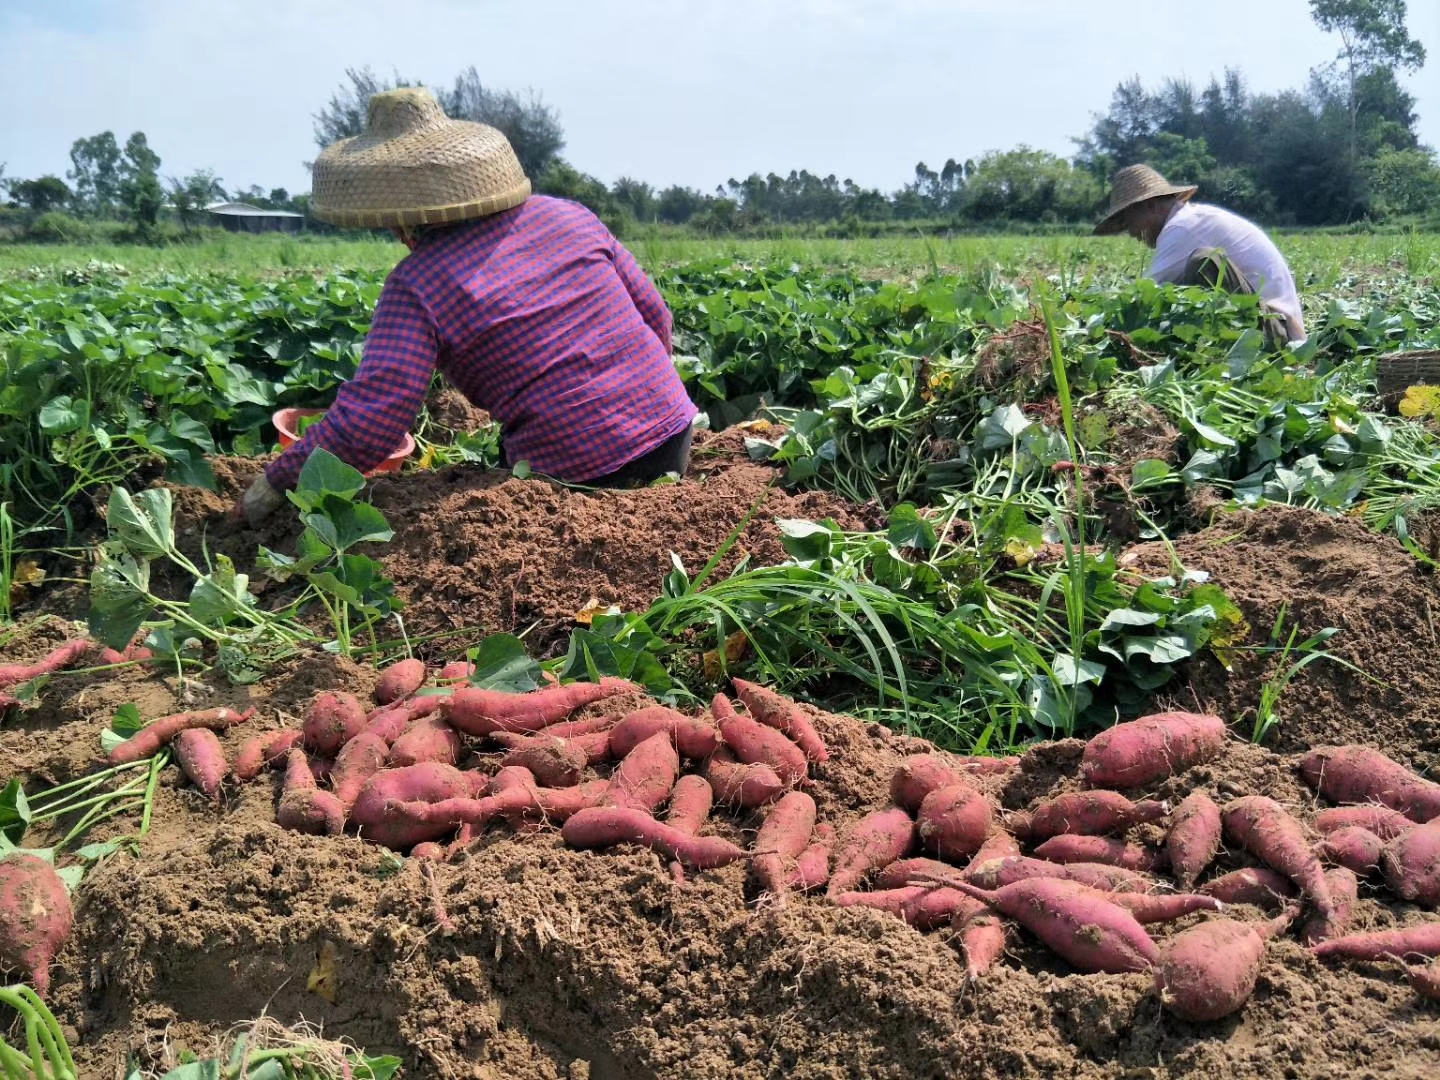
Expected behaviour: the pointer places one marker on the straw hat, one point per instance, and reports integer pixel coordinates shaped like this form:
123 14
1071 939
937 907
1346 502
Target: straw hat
416 166
1134 184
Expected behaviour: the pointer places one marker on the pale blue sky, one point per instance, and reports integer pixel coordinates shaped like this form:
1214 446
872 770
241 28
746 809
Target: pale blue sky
671 91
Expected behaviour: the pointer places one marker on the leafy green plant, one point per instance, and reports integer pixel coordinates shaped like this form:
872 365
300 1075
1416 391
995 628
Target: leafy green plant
47 1054
1304 653
347 584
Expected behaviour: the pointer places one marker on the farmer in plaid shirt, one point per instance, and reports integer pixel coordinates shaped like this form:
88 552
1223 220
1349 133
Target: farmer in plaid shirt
526 304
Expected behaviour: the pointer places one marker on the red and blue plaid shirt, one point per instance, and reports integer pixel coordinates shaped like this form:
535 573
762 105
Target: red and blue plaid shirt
539 316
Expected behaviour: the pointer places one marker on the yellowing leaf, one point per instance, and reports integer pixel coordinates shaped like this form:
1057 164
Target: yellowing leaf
1022 551
586 615
325 977
737 645
1420 401
26 574
427 459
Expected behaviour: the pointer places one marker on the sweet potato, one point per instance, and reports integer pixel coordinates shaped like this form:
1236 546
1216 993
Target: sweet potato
1142 751
1344 891
997 873
1194 837
983 941
922 907
1358 774
359 759
690 801
1422 939
202 759
645 776
255 754
1092 812
1087 930
875 841
35 917
812 868
58 659
782 837
390 721
913 871
428 739
400 680
1256 885
890 901
429 850
1265 829
753 742
782 714
1379 820
429 781
1207 972
919 775
693 736
954 821
1354 848
997 845
1163 907
983 765
555 762
741 784
332 720
1424 979
570 729
1073 848
303 806
479 712
456 670
608 826
148 740
1411 864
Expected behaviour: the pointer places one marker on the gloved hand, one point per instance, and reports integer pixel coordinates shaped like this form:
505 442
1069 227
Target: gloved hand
259 502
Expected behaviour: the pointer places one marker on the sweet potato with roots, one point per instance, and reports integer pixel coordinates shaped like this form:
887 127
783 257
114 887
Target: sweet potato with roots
1344 891
1358 774
67 655
1084 928
479 712
1411 864
303 806
953 821
1379 820
756 744
1209 971
610 826
922 907
1163 907
981 765
913 871
812 868
1142 751
429 781
1266 830
874 842
1194 837
997 845
690 802
331 720
738 783
400 680
919 775
1423 939
264 750
359 759
1079 848
997 873
555 762
1424 979
35 917
1257 885
645 776
456 670
591 725
1356 849
982 939
694 737
148 740
202 759
782 837
779 712
1094 813
390 721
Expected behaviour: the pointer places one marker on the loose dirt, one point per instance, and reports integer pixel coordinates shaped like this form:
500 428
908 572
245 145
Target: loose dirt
562 964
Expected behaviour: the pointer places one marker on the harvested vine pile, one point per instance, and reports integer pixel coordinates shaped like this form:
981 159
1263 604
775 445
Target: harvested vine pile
536 948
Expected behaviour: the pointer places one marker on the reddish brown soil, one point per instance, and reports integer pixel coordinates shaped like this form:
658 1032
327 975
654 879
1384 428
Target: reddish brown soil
568 964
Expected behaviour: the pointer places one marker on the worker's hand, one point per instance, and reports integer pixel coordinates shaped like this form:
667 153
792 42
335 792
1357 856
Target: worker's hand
258 503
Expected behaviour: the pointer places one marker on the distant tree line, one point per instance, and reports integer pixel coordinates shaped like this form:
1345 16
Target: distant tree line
1342 149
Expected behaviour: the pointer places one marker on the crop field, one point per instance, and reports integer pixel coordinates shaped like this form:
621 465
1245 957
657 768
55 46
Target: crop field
969 708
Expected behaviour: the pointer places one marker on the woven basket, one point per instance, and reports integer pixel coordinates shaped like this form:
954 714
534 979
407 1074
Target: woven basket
1397 372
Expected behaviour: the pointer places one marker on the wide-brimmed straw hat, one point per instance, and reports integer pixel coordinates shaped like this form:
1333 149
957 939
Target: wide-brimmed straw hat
1134 184
416 166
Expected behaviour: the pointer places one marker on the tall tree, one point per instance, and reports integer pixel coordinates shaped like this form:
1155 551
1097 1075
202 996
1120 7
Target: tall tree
95 172
191 194
140 191
41 194
1373 35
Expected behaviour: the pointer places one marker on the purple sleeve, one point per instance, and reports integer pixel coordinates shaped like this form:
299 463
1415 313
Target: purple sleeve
648 300
373 411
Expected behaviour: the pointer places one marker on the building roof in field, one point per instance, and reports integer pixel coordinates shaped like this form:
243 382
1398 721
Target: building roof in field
240 209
